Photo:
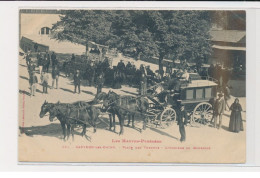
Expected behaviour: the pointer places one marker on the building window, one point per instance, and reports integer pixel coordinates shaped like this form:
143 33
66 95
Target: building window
45 31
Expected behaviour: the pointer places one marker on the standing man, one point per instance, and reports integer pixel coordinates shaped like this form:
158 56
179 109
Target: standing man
45 80
219 108
33 83
73 58
182 121
55 76
121 69
31 68
53 59
92 73
40 62
121 66
100 83
143 85
77 81
185 76
28 58
47 61
227 96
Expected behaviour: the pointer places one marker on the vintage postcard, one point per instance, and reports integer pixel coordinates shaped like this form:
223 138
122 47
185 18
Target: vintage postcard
138 86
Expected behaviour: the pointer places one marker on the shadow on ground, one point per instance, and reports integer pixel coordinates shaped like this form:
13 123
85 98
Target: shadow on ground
24 92
163 133
51 130
88 92
23 77
23 65
67 90
130 92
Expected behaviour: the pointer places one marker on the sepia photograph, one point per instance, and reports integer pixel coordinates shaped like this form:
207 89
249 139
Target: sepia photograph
132 86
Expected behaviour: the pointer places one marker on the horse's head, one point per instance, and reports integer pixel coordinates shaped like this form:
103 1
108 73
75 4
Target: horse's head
110 98
53 113
142 103
45 108
101 96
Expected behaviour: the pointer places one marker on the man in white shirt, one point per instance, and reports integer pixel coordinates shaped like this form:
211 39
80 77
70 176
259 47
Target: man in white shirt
185 75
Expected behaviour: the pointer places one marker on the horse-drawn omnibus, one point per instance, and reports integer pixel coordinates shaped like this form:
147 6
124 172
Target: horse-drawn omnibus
197 96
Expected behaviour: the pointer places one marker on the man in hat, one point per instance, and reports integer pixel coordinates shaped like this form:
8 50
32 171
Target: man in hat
182 121
218 110
121 66
143 85
77 81
53 59
227 96
55 76
33 83
28 58
100 83
40 62
45 80
47 61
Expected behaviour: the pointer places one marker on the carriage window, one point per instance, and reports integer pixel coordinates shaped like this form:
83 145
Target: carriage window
189 94
199 93
208 92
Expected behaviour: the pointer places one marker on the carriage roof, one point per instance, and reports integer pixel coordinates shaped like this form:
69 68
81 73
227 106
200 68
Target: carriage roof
199 83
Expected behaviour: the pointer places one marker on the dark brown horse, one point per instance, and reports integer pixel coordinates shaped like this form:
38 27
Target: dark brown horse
48 108
70 115
123 107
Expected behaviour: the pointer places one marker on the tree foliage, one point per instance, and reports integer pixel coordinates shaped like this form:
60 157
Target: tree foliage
180 34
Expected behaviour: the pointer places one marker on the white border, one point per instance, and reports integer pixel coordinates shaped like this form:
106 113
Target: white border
9 30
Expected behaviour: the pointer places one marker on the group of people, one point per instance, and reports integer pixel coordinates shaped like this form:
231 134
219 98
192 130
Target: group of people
219 107
43 62
100 73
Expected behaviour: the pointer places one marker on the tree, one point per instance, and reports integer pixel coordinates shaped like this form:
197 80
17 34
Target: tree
182 34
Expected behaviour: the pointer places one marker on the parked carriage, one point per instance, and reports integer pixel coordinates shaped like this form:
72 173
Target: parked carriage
197 97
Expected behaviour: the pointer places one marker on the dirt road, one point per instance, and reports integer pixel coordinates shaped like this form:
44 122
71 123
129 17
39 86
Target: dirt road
41 140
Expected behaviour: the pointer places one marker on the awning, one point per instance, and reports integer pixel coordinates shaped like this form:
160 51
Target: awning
229 48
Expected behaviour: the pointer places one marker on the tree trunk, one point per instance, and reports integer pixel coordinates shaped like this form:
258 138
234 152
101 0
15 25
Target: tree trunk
161 65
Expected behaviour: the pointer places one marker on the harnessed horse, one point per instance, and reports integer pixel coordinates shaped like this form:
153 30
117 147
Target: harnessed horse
124 106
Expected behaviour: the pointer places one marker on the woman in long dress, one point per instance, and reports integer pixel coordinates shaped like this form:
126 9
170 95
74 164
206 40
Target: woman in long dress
235 123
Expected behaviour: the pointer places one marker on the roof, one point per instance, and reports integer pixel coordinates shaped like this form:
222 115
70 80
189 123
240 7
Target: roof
32 41
230 48
233 36
200 83
26 39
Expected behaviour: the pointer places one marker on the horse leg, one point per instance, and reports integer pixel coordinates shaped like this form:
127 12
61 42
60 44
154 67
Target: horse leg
94 127
133 121
144 122
121 121
63 130
93 121
84 130
129 119
68 131
72 131
110 122
114 123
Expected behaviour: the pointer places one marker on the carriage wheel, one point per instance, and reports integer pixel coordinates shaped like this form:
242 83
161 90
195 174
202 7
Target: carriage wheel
202 114
167 117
